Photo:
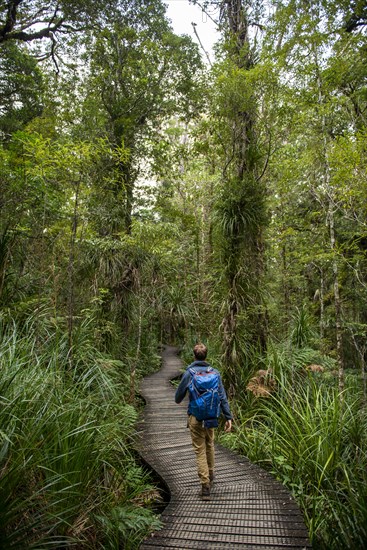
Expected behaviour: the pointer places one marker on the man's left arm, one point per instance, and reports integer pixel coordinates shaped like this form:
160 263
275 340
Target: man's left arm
224 405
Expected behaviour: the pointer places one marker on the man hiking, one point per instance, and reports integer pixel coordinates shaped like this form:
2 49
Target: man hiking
207 397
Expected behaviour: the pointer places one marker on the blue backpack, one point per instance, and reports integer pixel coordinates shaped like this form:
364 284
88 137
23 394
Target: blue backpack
204 396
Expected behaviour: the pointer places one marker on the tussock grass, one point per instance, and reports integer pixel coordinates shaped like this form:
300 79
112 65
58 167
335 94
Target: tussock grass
315 443
67 474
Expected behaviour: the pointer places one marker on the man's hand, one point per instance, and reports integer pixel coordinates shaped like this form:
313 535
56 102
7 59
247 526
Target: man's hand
228 426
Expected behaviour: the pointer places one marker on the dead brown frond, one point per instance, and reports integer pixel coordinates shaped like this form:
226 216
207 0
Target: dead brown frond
262 384
148 497
81 526
315 368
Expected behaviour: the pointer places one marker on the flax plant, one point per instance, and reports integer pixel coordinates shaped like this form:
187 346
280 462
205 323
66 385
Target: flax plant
67 472
314 443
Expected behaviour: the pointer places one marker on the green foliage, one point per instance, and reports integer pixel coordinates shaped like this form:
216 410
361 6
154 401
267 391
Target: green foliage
126 526
312 442
21 90
302 332
66 461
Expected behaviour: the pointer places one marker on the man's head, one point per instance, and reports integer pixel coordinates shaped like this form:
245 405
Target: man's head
200 351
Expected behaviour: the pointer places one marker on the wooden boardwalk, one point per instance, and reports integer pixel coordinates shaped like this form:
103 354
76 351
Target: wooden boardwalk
248 508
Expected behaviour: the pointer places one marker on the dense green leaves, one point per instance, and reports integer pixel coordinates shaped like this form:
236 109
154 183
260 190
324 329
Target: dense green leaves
65 454
21 90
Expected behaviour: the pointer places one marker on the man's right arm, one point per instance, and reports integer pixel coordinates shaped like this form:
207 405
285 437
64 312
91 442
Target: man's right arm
182 388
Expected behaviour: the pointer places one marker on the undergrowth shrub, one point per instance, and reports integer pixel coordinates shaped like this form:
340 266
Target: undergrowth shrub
68 476
315 442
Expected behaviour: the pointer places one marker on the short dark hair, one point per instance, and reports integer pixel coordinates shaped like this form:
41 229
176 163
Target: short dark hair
200 351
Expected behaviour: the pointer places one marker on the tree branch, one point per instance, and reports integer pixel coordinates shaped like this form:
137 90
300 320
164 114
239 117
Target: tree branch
11 18
201 44
46 32
203 9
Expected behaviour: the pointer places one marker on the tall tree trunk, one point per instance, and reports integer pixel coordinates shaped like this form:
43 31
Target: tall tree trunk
71 269
4 257
361 350
129 198
138 344
331 224
244 200
337 301
124 194
286 294
322 305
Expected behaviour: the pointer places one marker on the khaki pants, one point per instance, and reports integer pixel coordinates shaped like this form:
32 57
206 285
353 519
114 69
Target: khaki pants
203 443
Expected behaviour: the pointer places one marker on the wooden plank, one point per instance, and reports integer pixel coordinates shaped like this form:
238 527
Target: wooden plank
249 508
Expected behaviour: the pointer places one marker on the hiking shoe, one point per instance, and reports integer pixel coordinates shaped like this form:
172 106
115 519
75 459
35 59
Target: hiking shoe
205 492
211 478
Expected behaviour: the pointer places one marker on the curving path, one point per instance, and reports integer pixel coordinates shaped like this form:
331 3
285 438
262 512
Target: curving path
248 508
